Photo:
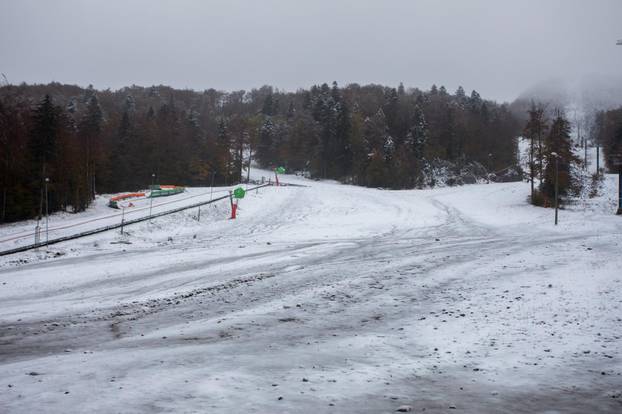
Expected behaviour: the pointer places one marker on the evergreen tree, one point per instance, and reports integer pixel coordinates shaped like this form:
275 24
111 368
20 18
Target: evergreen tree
43 143
460 94
268 106
224 151
266 142
535 131
419 133
558 141
43 148
90 127
401 91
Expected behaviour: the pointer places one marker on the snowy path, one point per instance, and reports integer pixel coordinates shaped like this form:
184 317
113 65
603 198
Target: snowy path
327 298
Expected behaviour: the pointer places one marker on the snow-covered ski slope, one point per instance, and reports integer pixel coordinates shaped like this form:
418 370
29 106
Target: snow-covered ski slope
325 298
101 215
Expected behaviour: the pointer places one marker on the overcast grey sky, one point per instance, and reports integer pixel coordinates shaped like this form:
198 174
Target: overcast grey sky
498 47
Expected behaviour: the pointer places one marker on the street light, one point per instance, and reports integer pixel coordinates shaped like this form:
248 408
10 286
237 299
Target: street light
556 156
47 180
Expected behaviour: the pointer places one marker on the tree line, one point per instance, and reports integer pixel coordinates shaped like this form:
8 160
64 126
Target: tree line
551 156
88 142
608 135
552 150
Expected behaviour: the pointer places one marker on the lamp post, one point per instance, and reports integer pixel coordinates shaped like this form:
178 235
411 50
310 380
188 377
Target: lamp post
122 218
556 156
47 215
211 189
151 195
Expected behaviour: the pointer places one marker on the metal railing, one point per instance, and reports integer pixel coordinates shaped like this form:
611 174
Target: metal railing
117 226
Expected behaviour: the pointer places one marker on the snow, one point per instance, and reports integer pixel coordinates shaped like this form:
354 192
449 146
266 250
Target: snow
336 298
100 215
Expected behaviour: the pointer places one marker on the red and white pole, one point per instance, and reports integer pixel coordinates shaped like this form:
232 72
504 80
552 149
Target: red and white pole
234 209
234 206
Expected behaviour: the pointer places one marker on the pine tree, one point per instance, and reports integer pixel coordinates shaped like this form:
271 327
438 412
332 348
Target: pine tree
291 110
266 141
460 94
475 102
559 142
401 91
90 127
52 156
268 106
224 151
46 125
419 132
43 146
534 131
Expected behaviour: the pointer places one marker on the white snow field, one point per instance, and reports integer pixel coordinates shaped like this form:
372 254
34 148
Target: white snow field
326 298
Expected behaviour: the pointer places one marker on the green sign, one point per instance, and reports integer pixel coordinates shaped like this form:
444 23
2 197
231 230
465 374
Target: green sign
280 170
239 192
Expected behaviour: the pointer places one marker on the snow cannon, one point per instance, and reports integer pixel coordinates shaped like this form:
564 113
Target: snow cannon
277 171
238 194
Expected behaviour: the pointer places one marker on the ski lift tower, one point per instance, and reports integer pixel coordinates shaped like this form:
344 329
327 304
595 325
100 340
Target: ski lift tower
615 160
618 162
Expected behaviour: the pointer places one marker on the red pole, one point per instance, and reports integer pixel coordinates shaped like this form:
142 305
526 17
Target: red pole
234 208
276 177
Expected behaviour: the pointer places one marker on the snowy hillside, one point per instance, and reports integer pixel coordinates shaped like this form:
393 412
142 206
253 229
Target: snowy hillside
324 298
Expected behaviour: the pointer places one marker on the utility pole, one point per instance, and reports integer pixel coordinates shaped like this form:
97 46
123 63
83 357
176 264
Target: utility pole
619 212
39 217
554 154
248 172
532 166
150 194
47 212
211 189
122 218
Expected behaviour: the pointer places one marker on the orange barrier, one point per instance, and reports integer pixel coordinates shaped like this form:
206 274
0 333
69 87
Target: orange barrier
113 200
128 195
